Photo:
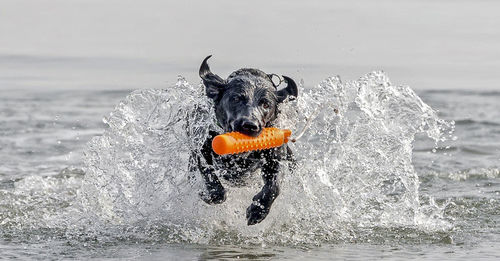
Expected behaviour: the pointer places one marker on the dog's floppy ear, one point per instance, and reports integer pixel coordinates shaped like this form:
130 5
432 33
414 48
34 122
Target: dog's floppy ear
214 85
289 90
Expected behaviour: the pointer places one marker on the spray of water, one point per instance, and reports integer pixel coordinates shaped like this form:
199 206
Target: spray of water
354 170
354 180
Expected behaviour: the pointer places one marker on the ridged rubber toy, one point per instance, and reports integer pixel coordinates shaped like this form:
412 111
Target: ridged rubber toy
235 142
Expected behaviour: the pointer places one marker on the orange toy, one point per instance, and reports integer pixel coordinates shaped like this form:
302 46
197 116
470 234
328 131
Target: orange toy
235 142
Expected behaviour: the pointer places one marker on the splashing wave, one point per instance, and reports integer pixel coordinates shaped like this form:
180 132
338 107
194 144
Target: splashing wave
354 179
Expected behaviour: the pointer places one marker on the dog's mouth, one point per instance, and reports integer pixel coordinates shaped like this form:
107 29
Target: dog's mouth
248 128
251 133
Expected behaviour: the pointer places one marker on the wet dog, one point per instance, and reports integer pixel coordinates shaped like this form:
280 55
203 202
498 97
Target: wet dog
247 101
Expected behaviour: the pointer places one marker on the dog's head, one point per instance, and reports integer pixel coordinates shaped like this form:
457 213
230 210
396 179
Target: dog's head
247 101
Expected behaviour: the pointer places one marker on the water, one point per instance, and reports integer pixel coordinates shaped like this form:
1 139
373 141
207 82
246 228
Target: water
64 45
372 181
387 176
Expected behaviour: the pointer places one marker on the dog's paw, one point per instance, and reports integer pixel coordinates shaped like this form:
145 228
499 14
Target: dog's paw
256 213
214 196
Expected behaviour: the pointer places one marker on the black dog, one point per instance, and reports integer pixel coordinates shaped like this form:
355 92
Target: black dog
247 101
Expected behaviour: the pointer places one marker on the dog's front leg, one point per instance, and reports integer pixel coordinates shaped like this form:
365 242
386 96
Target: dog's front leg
262 202
215 193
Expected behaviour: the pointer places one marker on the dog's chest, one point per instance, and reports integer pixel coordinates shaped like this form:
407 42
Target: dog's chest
237 168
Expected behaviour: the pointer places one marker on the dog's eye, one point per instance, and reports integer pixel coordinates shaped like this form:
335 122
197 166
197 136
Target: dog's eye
264 104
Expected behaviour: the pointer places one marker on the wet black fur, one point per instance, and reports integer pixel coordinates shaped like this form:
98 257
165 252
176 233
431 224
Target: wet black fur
247 101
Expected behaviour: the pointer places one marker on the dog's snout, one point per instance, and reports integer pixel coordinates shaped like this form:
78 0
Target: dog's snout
248 127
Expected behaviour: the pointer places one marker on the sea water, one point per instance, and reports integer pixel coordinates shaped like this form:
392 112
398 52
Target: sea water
380 173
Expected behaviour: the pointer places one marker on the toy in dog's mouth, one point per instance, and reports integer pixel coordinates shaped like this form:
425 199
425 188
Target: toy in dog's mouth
236 142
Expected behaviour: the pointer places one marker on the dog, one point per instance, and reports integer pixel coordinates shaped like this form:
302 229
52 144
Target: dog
246 102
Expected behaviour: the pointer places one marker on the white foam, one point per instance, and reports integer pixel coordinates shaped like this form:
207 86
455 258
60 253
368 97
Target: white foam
354 168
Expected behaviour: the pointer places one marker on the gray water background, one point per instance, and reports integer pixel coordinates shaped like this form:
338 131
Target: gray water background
128 45
66 64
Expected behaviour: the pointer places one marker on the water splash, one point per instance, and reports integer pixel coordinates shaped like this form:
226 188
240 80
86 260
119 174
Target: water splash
354 179
354 170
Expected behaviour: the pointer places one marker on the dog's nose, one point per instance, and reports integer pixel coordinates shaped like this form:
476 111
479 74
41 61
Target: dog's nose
250 128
